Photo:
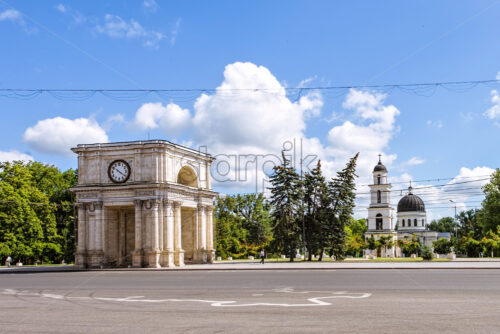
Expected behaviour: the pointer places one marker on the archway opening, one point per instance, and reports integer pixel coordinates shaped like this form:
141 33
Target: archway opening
187 177
379 221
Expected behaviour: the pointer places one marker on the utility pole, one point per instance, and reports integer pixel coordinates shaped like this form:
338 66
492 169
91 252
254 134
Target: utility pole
456 227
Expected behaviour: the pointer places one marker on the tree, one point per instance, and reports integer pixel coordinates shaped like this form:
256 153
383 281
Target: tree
315 191
442 246
490 243
489 216
409 246
243 225
385 241
426 253
445 224
28 212
285 199
339 209
467 221
355 230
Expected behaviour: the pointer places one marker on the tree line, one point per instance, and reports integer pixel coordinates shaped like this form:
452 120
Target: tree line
37 216
301 212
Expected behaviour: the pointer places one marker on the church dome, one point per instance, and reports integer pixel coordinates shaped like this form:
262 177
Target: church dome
380 167
410 203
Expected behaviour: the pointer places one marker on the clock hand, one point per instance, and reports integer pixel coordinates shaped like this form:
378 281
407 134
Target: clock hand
120 172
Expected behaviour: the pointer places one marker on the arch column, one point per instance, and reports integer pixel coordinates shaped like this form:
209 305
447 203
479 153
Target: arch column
153 234
202 234
167 257
81 250
96 230
137 258
210 234
178 251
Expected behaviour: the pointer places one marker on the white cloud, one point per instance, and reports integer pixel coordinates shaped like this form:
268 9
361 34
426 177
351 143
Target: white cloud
58 135
116 27
175 31
10 15
60 7
14 155
494 111
171 118
15 16
414 161
498 75
437 124
236 119
150 5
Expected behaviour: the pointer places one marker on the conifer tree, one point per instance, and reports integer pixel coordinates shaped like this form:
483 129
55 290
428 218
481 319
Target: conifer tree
341 196
315 190
285 200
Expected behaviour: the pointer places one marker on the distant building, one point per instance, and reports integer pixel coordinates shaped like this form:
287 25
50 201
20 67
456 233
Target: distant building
411 216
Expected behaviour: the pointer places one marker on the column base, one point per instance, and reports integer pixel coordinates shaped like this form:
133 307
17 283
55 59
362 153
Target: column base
153 259
167 259
179 257
137 259
210 255
200 256
95 259
80 260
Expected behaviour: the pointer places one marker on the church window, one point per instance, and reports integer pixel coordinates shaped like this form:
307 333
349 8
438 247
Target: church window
403 223
379 221
378 179
379 196
415 222
422 222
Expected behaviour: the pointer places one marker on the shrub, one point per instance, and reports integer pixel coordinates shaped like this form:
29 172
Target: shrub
427 254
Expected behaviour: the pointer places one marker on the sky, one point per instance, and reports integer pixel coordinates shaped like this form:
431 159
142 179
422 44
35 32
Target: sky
239 66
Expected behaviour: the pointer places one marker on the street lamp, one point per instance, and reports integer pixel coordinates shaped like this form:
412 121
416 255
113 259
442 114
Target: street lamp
456 227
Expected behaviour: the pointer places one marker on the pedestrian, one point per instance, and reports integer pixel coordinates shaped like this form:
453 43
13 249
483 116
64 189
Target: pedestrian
262 256
8 261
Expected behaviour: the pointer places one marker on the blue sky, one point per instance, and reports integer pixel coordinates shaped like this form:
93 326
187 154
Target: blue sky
263 44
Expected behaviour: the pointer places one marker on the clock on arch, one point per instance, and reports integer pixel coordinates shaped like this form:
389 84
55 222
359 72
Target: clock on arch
119 171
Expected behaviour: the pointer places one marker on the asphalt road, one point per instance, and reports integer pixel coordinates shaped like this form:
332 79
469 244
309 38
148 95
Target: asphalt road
281 301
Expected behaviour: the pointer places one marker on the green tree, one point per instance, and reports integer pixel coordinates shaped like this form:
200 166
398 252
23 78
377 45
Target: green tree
409 246
445 224
442 246
426 253
315 193
489 216
467 221
340 209
285 199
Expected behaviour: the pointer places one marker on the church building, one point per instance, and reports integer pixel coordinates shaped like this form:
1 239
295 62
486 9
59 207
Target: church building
411 216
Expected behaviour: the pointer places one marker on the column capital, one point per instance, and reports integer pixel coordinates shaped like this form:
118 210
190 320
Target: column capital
138 203
177 204
94 206
152 203
81 205
167 202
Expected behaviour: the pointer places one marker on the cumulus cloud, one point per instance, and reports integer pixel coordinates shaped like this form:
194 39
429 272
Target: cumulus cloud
437 124
60 7
175 31
494 111
170 118
151 5
414 161
236 119
14 155
16 17
58 135
116 27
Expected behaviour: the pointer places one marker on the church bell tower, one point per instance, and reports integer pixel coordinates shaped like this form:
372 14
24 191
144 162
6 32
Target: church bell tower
380 212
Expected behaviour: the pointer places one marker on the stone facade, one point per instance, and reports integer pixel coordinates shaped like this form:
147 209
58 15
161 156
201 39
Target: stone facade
159 215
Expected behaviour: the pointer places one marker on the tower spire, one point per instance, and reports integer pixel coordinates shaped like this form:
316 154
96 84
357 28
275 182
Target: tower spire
410 188
380 158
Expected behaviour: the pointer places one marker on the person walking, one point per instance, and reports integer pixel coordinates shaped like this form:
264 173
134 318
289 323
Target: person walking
8 261
262 256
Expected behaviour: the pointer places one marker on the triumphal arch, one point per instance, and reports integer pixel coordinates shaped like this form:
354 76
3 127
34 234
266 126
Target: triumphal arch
143 204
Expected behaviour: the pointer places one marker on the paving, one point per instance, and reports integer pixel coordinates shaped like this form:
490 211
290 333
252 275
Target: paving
261 301
299 265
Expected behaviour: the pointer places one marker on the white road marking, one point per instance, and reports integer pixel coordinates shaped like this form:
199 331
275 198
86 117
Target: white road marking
314 301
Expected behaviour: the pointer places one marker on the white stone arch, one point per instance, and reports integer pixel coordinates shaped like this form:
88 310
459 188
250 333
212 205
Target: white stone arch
187 174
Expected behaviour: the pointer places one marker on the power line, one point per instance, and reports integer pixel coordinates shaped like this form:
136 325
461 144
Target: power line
422 89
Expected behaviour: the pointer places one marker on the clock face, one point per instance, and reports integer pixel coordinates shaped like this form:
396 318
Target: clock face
119 171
